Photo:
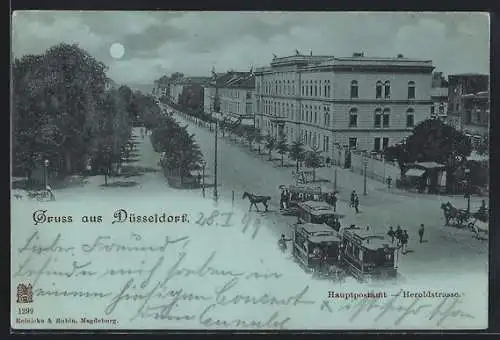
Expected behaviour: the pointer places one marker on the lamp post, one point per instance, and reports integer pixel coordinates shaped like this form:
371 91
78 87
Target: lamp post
467 193
335 179
216 99
203 165
46 173
365 164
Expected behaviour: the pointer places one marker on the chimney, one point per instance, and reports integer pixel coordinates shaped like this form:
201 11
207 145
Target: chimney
400 56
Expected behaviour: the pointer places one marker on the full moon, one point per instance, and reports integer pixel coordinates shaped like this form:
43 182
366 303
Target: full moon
117 50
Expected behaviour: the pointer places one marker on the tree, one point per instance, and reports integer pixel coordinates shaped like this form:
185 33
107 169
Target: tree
57 110
296 152
270 145
483 146
434 141
313 160
399 153
282 147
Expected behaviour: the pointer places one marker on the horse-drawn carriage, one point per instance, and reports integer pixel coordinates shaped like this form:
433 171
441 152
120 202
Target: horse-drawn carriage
42 195
476 222
300 193
318 213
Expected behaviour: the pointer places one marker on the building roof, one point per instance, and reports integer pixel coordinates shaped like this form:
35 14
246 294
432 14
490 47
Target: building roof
357 60
317 229
430 165
233 79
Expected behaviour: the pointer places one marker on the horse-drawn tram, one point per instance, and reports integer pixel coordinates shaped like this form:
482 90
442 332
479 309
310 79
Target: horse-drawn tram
367 255
316 247
318 213
301 193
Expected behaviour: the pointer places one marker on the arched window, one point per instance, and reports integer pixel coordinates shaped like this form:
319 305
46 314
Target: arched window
378 118
378 89
385 118
353 117
387 89
354 89
410 118
411 90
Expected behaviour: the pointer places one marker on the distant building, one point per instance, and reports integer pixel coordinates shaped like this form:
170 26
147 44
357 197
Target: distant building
236 96
476 115
176 87
357 102
439 106
460 87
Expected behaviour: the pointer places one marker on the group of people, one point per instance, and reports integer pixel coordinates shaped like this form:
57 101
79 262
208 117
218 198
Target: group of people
402 238
331 198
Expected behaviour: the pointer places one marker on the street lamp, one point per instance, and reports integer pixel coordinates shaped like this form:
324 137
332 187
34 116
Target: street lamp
46 173
203 165
365 164
216 99
467 193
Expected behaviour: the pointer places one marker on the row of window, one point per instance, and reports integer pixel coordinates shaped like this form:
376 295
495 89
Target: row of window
320 88
382 89
381 118
379 143
229 106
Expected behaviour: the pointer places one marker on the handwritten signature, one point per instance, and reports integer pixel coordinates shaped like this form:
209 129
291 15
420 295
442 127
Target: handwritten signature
400 308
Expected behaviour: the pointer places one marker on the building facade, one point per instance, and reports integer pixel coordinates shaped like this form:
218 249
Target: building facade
236 96
460 86
439 106
356 102
476 115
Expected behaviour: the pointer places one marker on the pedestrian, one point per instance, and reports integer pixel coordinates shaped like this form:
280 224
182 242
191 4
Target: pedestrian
334 201
287 198
391 234
328 160
282 200
199 179
398 234
282 243
389 182
404 242
353 196
356 203
421 232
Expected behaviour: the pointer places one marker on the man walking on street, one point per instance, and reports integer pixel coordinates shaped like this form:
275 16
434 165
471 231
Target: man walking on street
353 196
391 234
334 201
404 242
398 234
356 203
421 232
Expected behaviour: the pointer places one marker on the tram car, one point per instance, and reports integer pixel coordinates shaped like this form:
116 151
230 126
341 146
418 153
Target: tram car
318 213
316 247
301 193
366 254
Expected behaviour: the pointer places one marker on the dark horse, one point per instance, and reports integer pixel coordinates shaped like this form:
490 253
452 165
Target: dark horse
254 199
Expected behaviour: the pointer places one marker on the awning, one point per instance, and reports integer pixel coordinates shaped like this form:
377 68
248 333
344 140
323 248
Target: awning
414 172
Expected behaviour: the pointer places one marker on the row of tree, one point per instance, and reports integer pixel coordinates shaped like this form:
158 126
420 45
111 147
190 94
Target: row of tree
67 111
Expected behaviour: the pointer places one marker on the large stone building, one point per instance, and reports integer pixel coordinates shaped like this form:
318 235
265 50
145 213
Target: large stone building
357 102
468 92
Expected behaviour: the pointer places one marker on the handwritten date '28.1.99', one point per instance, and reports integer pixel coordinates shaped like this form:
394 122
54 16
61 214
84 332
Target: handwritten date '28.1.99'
224 219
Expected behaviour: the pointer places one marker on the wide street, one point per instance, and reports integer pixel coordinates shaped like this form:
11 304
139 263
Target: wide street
444 248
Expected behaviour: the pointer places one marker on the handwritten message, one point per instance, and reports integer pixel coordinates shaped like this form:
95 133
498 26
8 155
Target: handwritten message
180 281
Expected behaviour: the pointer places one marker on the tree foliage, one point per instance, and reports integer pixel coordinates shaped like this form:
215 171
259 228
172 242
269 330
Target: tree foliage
433 141
296 152
313 160
282 147
270 145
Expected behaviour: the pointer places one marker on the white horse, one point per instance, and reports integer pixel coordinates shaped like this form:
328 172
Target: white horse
478 228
